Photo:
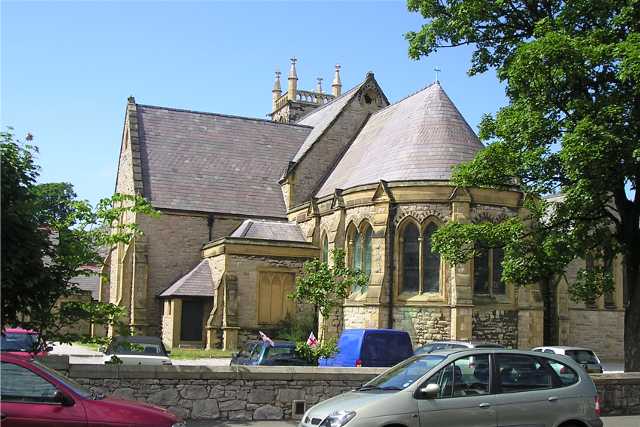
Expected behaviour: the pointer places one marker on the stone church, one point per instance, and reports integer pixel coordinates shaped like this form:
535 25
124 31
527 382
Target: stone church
245 201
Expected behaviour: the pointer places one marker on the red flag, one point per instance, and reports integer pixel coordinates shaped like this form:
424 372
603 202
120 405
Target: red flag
312 341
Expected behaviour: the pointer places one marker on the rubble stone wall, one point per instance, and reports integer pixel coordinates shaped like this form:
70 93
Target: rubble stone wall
499 326
424 324
268 393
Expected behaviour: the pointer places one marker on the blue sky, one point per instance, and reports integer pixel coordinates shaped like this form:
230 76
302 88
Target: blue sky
68 67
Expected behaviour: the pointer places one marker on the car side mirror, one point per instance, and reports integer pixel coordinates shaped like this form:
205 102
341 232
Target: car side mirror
63 399
49 348
431 391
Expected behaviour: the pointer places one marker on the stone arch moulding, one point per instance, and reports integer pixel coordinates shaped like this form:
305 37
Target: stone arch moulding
422 212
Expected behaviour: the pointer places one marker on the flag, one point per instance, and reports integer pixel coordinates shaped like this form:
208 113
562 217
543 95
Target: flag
265 338
312 341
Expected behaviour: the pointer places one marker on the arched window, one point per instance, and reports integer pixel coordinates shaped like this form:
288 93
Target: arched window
487 271
325 249
410 258
366 251
431 262
356 260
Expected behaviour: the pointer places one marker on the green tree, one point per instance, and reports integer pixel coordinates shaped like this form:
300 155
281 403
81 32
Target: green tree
325 287
50 236
572 125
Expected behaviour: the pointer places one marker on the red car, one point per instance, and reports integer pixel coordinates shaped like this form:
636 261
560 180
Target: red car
32 394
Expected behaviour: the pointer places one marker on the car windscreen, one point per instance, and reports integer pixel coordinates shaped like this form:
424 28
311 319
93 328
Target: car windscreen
137 349
582 356
12 341
272 353
404 374
77 388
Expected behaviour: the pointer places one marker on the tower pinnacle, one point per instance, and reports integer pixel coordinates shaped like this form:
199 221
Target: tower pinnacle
336 86
293 80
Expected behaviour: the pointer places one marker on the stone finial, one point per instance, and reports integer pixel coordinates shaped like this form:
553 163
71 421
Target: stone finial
131 99
292 71
293 81
276 91
336 86
319 86
276 83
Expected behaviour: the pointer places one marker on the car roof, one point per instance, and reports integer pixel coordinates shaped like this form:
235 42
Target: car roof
20 331
277 343
136 339
472 351
564 347
472 342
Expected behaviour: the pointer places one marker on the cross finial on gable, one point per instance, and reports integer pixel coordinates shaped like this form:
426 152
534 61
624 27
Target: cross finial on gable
437 70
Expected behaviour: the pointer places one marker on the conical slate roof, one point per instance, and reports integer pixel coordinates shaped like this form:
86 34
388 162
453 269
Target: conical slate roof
418 138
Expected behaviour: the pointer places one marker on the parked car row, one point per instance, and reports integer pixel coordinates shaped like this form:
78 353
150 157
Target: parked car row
453 383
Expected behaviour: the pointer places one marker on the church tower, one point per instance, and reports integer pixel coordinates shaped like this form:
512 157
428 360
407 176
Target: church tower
291 106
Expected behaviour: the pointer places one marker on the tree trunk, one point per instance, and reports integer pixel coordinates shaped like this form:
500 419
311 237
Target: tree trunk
632 311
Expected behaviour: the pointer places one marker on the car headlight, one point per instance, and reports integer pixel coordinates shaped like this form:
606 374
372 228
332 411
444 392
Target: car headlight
338 419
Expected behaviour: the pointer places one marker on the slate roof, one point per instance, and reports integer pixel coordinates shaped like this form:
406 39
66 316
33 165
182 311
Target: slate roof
269 230
321 118
215 163
89 283
199 282
418 138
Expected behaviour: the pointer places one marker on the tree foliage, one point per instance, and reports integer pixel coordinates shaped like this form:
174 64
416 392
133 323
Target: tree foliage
572 125
326 286
49 237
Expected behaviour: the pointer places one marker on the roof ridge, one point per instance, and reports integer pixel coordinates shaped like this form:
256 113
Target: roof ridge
408 96
315 110
184 110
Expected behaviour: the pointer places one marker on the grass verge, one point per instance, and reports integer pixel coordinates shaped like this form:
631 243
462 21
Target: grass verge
190 353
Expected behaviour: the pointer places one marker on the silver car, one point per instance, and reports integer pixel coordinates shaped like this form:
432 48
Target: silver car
474 387
584 356
446 345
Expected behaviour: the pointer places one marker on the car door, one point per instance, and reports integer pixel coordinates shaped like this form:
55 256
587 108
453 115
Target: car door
526 386
465 397
29 399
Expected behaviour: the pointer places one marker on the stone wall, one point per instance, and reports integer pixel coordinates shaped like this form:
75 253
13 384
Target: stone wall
499 326
174 243
247 268
424 324
600 330
259 393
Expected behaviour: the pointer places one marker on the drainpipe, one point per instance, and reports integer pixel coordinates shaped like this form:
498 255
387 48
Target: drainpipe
391 271
210 225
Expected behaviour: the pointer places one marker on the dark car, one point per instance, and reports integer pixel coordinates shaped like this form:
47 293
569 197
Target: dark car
20 341
449 345
31 394
261 353
371 348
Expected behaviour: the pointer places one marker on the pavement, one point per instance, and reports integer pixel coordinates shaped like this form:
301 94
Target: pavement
633 421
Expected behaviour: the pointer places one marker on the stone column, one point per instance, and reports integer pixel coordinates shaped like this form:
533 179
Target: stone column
461 295
230 326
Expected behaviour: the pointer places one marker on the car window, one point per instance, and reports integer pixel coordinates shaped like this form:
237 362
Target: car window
456 346
68 382
467 376
279 352
518 373
247 349
386 347
425 349
566 375
22 385
12 341
256 353
148 349
582 356
549 351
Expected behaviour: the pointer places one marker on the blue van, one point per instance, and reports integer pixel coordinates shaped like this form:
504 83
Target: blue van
371 348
